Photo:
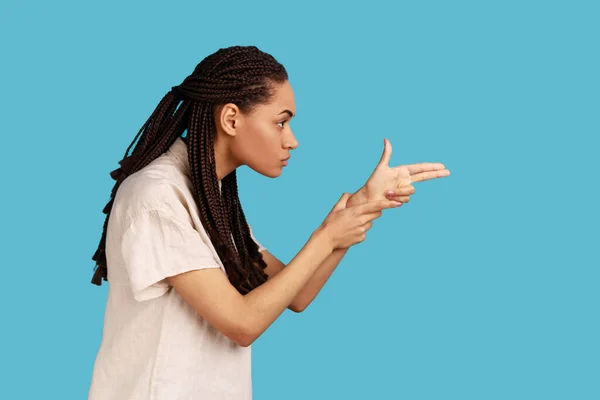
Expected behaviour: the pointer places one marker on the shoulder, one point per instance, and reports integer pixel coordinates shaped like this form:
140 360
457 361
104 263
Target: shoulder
155 188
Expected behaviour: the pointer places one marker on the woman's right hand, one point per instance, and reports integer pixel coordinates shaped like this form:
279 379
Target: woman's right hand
345 226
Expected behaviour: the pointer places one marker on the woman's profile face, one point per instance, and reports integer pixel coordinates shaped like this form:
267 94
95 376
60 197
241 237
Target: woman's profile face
262 139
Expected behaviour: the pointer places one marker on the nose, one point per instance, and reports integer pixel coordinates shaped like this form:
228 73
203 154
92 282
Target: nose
290 142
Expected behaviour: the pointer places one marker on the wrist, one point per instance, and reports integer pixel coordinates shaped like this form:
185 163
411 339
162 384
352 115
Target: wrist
322 237
359 197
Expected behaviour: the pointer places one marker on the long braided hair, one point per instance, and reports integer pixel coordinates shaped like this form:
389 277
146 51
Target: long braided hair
245 76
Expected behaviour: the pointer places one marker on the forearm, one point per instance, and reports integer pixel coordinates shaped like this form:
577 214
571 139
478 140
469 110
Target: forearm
325 270
265 303
317 281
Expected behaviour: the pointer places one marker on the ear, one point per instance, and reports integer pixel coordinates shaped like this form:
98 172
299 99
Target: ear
228 118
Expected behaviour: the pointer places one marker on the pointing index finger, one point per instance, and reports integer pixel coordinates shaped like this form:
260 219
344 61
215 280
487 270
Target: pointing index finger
424 176
424 167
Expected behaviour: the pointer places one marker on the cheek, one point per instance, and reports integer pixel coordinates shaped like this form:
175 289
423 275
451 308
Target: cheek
260 144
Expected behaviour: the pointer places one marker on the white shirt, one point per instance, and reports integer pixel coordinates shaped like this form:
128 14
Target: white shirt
154 345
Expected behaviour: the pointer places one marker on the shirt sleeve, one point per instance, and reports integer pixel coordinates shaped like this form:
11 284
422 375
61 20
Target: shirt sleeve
156 246
260 246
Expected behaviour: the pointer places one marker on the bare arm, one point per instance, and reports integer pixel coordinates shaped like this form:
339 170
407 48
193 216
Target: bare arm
243 318
315 283
312 288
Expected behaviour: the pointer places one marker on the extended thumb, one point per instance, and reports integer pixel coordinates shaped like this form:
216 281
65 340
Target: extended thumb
341 204
387 153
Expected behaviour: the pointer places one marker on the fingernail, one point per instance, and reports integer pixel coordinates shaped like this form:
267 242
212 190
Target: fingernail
389 192
398 203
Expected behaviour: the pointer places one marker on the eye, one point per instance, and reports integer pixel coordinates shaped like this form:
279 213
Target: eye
282 123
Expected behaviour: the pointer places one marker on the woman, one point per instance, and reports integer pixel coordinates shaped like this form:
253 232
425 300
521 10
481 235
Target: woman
190 287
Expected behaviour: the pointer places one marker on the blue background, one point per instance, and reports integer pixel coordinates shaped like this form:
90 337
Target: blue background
484 286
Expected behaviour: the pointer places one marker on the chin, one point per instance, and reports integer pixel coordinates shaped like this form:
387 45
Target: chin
270 173
274 173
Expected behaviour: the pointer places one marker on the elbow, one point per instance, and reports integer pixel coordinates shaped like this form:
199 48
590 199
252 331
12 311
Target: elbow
297 308
244 339
243 336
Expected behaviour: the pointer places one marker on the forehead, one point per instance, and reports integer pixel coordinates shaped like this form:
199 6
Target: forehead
283 98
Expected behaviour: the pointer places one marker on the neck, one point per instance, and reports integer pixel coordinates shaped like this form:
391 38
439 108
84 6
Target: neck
224 162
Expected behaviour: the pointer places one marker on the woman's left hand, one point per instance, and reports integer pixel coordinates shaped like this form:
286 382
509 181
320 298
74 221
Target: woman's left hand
395 183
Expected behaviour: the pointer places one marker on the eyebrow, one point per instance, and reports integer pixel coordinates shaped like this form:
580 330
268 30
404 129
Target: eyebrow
291 114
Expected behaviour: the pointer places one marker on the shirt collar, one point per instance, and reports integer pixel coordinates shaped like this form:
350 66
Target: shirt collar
178 151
